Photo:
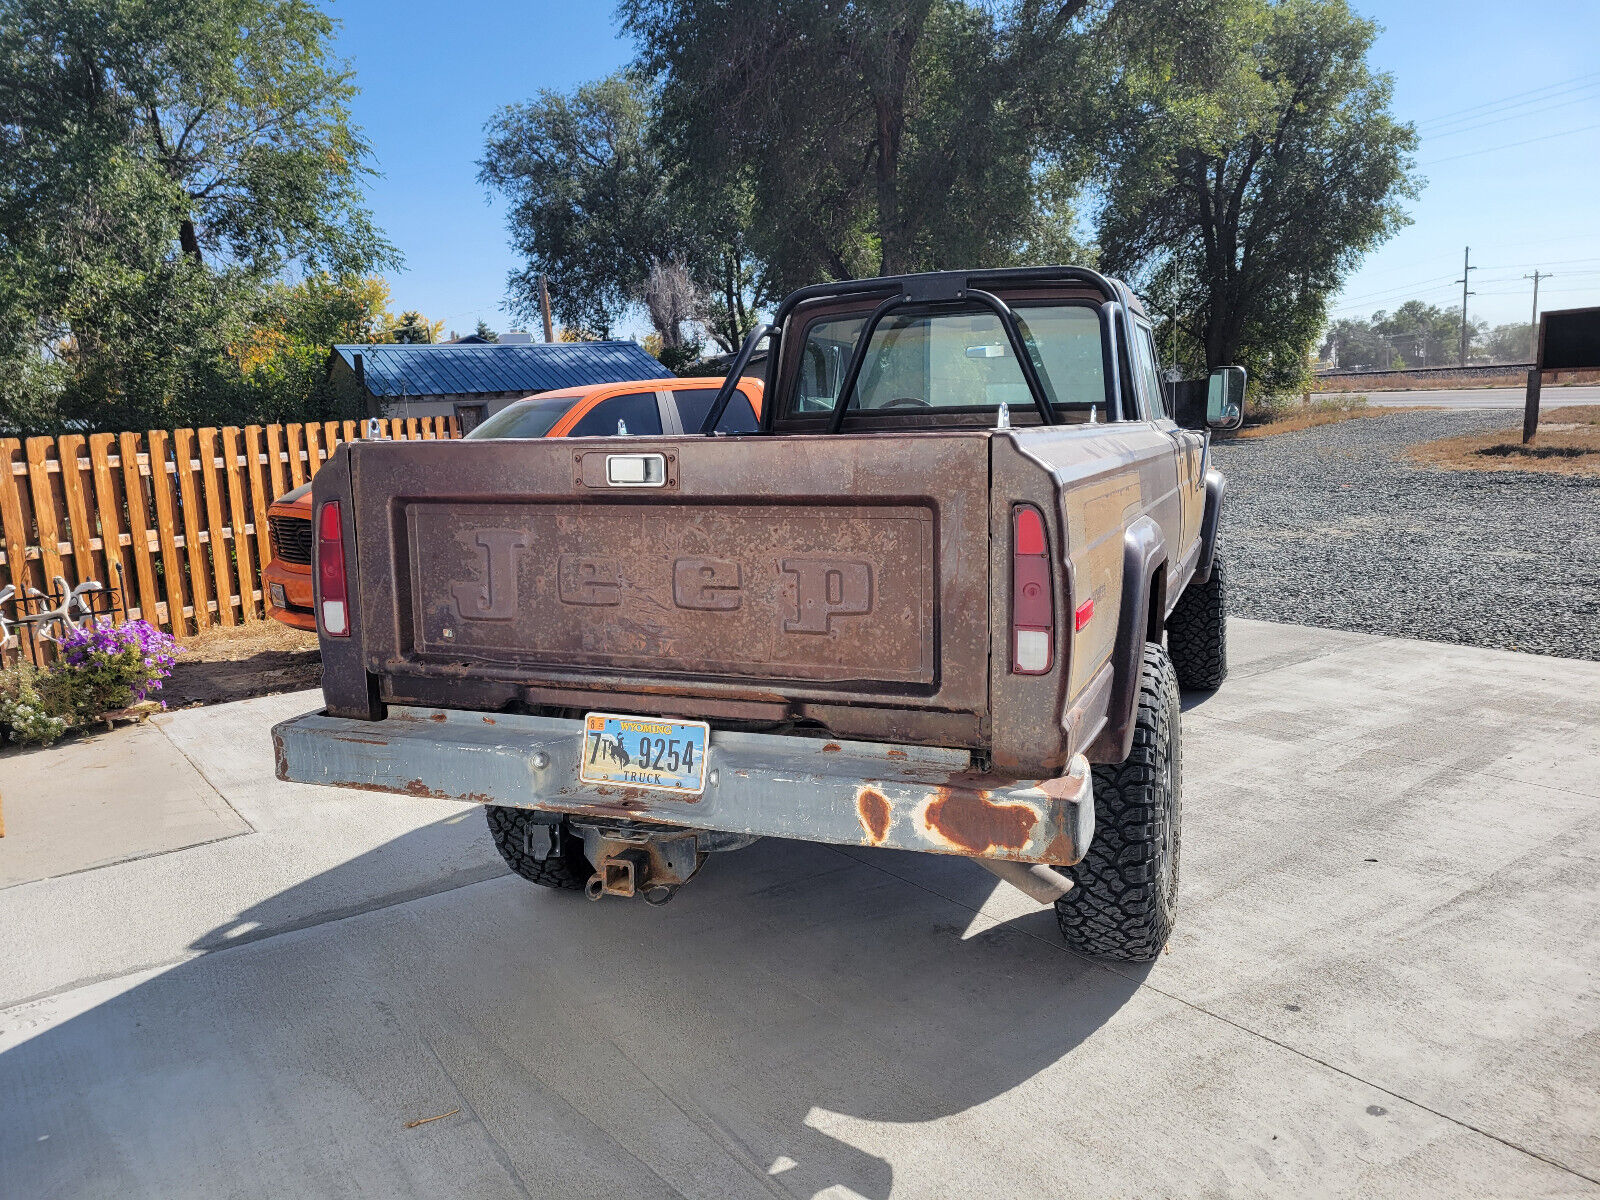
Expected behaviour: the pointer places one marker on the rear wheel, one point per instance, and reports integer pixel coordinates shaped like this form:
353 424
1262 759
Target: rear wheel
542 852
1125 894
1197 633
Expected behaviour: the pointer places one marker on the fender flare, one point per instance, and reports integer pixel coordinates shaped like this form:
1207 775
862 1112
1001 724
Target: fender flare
1216 486
1144 552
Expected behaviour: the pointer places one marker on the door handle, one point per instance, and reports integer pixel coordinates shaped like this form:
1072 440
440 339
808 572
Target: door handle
636 470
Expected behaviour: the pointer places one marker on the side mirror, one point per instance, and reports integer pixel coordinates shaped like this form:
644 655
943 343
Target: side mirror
1225 398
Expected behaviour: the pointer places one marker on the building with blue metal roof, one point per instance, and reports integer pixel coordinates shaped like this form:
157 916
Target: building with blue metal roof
471 382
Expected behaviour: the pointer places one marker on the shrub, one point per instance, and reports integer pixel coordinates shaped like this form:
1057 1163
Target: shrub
111 666
31 711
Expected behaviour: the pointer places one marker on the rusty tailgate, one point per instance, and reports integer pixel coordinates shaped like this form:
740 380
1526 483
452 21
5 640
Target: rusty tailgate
803 574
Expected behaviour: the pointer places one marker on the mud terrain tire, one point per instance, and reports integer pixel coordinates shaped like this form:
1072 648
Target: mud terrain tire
520 838
1125 897
1197 633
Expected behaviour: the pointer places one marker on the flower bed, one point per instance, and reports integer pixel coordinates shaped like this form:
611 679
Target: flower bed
104 670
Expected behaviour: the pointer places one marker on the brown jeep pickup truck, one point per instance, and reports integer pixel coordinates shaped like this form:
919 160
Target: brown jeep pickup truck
942 600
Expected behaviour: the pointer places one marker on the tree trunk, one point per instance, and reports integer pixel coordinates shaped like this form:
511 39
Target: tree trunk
188 240
890 123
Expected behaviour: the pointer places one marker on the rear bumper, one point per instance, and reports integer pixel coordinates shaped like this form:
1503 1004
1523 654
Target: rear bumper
767 785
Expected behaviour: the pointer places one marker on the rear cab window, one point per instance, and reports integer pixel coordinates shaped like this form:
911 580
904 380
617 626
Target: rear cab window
954 359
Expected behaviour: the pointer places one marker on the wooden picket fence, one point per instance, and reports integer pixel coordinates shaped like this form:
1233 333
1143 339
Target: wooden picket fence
177 518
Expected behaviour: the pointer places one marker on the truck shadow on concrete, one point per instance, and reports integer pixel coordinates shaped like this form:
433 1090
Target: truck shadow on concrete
790 1023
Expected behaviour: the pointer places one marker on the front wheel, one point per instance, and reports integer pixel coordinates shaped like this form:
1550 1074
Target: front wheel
1125 894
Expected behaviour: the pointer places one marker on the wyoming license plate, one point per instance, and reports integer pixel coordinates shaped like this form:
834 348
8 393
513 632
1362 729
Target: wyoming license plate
645 752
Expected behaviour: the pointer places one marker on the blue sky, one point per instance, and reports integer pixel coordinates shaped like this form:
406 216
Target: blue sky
432 76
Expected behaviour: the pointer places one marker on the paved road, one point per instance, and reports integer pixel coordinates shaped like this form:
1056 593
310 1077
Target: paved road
1382 983
1483 397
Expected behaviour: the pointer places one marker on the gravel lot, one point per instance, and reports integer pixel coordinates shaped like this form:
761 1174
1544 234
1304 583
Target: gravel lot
1328 527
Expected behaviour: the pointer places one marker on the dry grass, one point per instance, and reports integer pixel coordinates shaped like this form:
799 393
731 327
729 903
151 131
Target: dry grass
1489 378
1566 443
1288 415
232 663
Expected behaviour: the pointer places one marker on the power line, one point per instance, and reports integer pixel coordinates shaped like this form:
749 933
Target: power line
1515 116
1450 117
1510 145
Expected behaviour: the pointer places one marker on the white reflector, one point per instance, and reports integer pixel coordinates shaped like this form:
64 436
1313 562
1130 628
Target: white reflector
1033 649
334 618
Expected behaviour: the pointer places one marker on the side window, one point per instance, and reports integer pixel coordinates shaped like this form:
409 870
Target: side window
694 403
636 412
1151 401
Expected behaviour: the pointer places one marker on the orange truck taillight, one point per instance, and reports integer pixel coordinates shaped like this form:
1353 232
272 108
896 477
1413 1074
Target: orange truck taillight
1033 637
334 609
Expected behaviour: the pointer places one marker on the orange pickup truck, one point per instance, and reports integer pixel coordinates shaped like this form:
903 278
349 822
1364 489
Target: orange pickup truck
638 407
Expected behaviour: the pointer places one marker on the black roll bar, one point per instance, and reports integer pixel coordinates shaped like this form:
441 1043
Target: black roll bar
848 383
725 392
1008 322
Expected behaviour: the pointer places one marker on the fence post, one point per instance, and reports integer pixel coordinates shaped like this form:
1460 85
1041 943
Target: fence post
246 565
167 532
44 508
1530 407
139 528
81 528
112 522
11 526
220 572
189 494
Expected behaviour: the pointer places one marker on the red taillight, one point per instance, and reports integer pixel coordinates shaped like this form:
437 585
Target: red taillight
1032 601
332 595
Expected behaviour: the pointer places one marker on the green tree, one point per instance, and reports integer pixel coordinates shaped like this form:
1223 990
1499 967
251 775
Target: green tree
875 137
415 329
1251 160
1513 343
486 333
1417 334
282 357
159 161
600 209
589 200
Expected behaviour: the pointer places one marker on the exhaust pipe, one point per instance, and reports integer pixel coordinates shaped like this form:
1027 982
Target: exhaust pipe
1044 884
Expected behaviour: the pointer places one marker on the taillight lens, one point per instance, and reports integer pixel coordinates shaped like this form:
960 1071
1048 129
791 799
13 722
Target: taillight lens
332 592
1032 602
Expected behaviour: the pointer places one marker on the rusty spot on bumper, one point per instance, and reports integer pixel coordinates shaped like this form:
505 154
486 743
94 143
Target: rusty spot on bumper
973 822
346 737
832 748
873 808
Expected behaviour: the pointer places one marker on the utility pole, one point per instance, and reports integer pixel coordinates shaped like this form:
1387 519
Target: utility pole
1466 271
544 308
1533 325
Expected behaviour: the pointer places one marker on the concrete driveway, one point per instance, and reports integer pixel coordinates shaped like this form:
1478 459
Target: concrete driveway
1383 982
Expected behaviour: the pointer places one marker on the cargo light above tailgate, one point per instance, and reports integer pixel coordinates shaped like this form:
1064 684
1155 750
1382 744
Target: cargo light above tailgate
1032 604
334 608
